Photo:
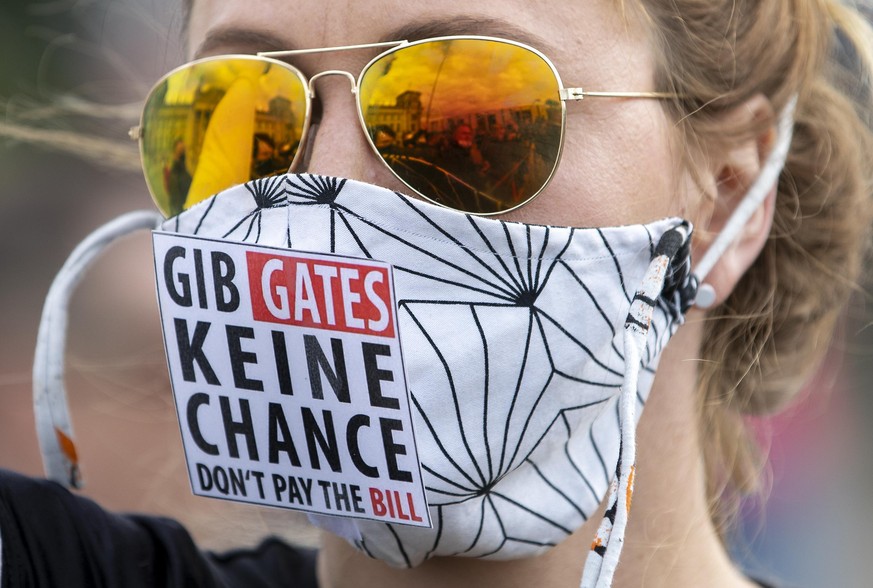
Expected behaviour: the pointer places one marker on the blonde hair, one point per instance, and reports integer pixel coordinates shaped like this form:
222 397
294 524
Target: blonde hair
762 344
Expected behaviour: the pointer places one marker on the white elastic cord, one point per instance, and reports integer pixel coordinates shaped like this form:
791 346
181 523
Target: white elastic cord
50 407
755 196
606 548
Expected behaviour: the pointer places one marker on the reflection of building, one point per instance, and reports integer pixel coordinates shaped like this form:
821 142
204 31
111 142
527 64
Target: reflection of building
405 116
160 138
402 117
519 117
189 122
277 121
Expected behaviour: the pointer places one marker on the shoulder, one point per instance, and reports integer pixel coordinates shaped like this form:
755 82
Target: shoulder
51 537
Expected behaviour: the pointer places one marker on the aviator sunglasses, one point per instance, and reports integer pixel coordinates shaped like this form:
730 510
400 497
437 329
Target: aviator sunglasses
471 123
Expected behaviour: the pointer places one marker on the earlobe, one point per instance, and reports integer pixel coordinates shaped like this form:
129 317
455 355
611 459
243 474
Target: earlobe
734 170
743 252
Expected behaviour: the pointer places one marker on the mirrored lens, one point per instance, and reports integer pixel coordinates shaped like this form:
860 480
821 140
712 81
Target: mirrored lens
220 122
472 124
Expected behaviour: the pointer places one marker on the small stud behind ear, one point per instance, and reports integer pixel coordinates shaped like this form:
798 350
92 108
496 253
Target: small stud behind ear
705 296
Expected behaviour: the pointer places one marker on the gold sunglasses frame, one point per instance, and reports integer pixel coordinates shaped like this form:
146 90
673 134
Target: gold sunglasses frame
565 94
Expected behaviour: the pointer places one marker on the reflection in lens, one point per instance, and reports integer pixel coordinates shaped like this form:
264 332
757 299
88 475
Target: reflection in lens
476 124
217 123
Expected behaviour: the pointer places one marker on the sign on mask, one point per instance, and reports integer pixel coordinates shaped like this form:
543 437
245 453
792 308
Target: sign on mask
288 378
513 348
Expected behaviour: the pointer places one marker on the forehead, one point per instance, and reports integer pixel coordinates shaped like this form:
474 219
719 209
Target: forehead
590 38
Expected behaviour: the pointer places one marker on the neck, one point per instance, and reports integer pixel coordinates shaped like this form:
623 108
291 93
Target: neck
670 539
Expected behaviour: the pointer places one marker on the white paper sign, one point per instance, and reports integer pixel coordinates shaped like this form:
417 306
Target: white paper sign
288 378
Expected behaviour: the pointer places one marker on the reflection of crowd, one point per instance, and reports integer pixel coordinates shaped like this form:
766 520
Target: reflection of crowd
500 162
267 159
462 157
177 180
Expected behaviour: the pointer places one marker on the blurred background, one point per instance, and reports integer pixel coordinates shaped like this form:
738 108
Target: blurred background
58 58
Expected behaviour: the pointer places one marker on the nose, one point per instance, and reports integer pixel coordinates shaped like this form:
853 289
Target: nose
336 144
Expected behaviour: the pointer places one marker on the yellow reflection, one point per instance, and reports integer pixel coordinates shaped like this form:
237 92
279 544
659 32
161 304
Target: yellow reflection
225 156
203 125
218 75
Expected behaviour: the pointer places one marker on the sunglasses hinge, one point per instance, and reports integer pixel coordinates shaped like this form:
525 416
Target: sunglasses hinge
572 94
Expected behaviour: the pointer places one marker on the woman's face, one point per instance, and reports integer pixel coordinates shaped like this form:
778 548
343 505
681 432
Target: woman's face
617 166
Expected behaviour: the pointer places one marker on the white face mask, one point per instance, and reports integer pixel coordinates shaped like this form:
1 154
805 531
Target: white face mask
529 351
512 338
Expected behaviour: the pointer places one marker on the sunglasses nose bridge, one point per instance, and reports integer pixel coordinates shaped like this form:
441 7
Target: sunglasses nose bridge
332 72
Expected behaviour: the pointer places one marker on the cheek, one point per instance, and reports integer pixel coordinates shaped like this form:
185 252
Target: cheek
617 168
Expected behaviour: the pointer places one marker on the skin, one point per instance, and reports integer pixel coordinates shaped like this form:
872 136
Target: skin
620 165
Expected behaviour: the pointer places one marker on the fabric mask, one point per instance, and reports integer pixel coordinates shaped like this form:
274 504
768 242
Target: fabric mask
530 351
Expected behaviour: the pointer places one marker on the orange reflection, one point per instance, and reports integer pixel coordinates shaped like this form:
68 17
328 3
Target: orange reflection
477 123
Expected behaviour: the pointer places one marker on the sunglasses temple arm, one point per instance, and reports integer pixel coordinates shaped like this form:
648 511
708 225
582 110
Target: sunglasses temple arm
580 94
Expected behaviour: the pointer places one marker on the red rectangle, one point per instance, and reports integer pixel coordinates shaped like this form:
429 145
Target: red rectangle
321 293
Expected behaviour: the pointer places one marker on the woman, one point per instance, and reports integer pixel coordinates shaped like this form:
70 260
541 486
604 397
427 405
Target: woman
709 83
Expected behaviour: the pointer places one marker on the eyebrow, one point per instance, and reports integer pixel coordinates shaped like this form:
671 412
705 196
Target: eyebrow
258 41
254 40
466 25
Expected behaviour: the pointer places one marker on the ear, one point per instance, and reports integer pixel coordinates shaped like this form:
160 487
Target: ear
733 171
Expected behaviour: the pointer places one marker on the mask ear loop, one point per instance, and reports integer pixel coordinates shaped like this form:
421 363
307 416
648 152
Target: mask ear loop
606 548
765 181
50 406
608 542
